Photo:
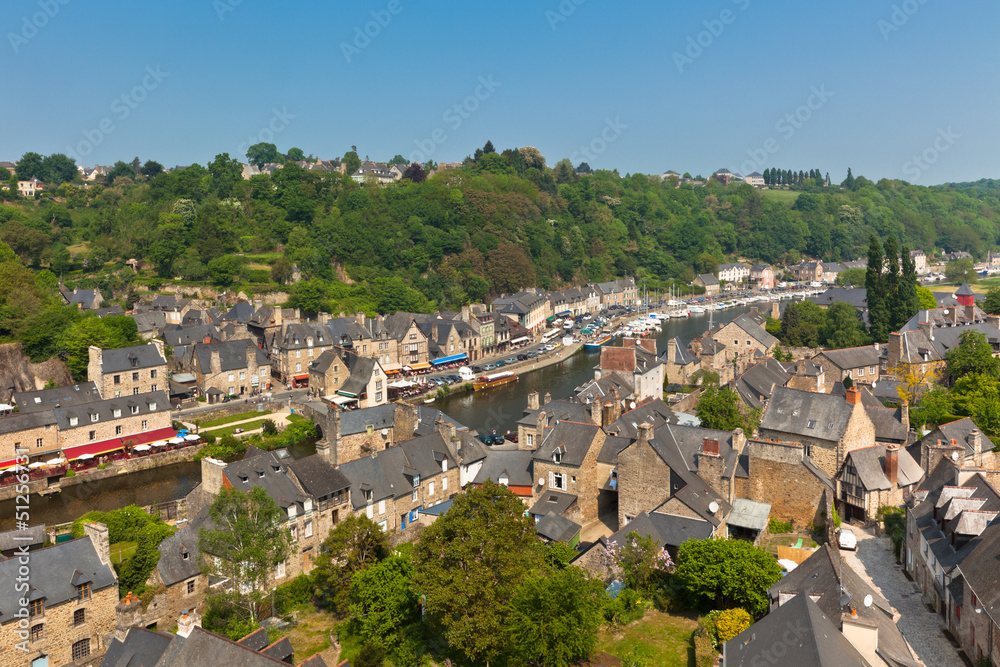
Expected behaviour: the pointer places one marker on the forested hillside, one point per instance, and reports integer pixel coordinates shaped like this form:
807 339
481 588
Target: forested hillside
501 222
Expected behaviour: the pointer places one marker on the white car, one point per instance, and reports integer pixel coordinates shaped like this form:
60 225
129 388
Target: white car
846 539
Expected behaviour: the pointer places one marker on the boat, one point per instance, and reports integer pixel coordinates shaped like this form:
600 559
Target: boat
598 344
494 380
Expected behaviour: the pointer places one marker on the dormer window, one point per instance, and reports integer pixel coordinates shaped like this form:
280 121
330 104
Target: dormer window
243 477
83 591
117 412
416 481
93 416
557 456
73 421
444 465
134 409
152 406
503 480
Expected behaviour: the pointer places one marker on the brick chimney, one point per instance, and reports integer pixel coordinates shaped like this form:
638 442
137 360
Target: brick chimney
446 429
895 348
207 339
533 401
970 312
98 534
128 615
648 344
853 395
710 447
276 316
892 464
188 621
975 441
607 413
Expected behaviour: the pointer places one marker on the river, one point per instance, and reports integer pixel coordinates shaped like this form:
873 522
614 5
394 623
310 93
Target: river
497 409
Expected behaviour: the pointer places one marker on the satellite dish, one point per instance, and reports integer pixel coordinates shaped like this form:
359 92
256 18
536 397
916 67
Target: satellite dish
845 599
713 507
868 600
385 431
873 384
632 405
541 481
945 311
954 456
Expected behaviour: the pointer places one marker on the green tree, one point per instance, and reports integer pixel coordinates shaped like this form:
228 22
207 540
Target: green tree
722 574
281 272
119 170
370 655
991 304
878 307
58 168
263 153
640 562
398 159
510 269
927 299
554 618
477 288
720 409
355 544
30 166
974 355
961 271
843 327
248 538
296 154
224 270
483 543
351 161
978 396
907 298
151 168
106 333
383 602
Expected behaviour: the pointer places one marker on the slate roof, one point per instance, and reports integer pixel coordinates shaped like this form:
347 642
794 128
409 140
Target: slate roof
752 326
120 359
653 412
826 575
516 464
233 355
552 501
852 357
203 643
870 464
815 640
981 571
190 334
598 390
268 471
558 409
613 446
141 648
749 514
572 439
65 396
317 477
557 528
53 571
357 421
14 539
791 411
960 430
172 566
888 427
681 355
856 296
361 374
759 381
707 279
241 312
669 530
83 297
149 322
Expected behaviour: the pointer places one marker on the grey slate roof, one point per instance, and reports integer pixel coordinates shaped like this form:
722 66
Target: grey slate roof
613 446
681 355
121 359
141 648
791 411
268 471
960 430
857 297
852 357
361 375
653 412
815 640
669 530
870 464
53 571
317 477
233 355
190 334
558 409
557 528
552 501
65 396
573 440
707 279
749 514
357 421
172 566
759 381
14 539
516 464
747 323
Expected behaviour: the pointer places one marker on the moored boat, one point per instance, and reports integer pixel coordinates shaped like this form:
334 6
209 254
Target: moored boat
598 344
494 380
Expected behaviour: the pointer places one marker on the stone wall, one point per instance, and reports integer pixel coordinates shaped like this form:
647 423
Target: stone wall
779 477
643 481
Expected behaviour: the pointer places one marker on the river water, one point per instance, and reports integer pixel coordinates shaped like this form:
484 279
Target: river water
494 410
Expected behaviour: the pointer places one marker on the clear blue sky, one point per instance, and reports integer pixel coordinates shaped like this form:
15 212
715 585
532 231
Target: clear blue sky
893 92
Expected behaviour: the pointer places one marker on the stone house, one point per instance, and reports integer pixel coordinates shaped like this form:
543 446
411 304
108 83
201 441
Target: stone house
737 272
679 364
531 427
744 338
178 575
709 282
411 342
920 261
636 359
978 608
827 426
233 368
128 371
620 292
566 462
267 321
808 271
781 475
35 435
106 426
762 276
449 340
68 607
861 364
344 378
295 348
85 299
875 476
513 468
529 308
973 447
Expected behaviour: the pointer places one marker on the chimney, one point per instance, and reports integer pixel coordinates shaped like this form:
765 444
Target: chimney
596 411
188 621
853 396
608 413
904 415
98 534
276 316
994 320
446 429
648 344
925 326
323 318
96 357
710 447
211 475
892 464
895 348
216 362
540 421
645 433
533 401
207 339
548 398
970 312
128 615
975 441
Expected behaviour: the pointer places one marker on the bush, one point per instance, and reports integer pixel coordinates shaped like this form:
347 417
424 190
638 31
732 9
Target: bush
297 592
707 626
730 623
627 607
836 518
269 427
894 520
778 527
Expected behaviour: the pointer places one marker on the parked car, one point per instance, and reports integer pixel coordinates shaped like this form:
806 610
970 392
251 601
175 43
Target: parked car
846 539
500 364
522 357
476 369
510 360
489 367
512 437
548 348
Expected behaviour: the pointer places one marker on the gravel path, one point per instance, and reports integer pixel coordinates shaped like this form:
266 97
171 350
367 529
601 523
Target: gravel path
921 628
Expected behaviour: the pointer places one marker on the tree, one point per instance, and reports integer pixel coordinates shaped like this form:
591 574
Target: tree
415 173
470 562
370 655
354 544
30 166
554 618
584 168
58 168
720 409
383 602
351 162
927 299
488 148
477 288
399 159
263 153
640 562
151 169
510 269
732 622
908 301
118 171
844 327
978 396
961 271
247 539
722 574
106 333
296 154
281 272
974 355
224 270
878 307
991 304
848 183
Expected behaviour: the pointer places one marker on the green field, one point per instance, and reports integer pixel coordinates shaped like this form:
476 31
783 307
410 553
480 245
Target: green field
229 430
122 551
295 417
657 639
222 421
787 196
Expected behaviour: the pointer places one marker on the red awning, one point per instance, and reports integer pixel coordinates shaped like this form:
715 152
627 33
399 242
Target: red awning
143 437
8 464
95 448
302 376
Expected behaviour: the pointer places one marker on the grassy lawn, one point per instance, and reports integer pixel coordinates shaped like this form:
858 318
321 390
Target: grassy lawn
789 540
295 417
122 551
310 634
229 430
658 638
786 196
222 421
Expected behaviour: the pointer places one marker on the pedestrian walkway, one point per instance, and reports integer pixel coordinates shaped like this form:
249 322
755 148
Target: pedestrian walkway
280 419
921 628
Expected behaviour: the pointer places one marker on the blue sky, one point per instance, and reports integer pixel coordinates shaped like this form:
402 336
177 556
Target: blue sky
637 86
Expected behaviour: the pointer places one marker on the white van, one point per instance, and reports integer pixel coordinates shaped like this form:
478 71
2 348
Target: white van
466 374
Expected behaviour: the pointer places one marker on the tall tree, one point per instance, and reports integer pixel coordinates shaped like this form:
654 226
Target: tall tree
848 183
843 327
151 168
890 277
723 574
878 307
58 168
296 154
973 356
383 602
354 545
30 166
351 161
907 298
248 539
470 563
720 409
488 148
263 153
415 173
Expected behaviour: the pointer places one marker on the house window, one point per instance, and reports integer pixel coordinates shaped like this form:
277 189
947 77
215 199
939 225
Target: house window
135 391
81 649
92 435
381 507
152 405
38 442
135 377
279 571
145 424
558 481
117 379
298 367
190 587
504 480
861 372
811 423
37 632
444 483
231 377
83 591
79 616
415 495
444 465
309 528
243 375
378 396
134 409
73 421
531 439
118 430
36 608
152 374
369 512
557 456
116 413
295 532
871 370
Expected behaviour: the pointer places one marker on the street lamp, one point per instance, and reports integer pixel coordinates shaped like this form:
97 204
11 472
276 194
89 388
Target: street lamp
989 650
